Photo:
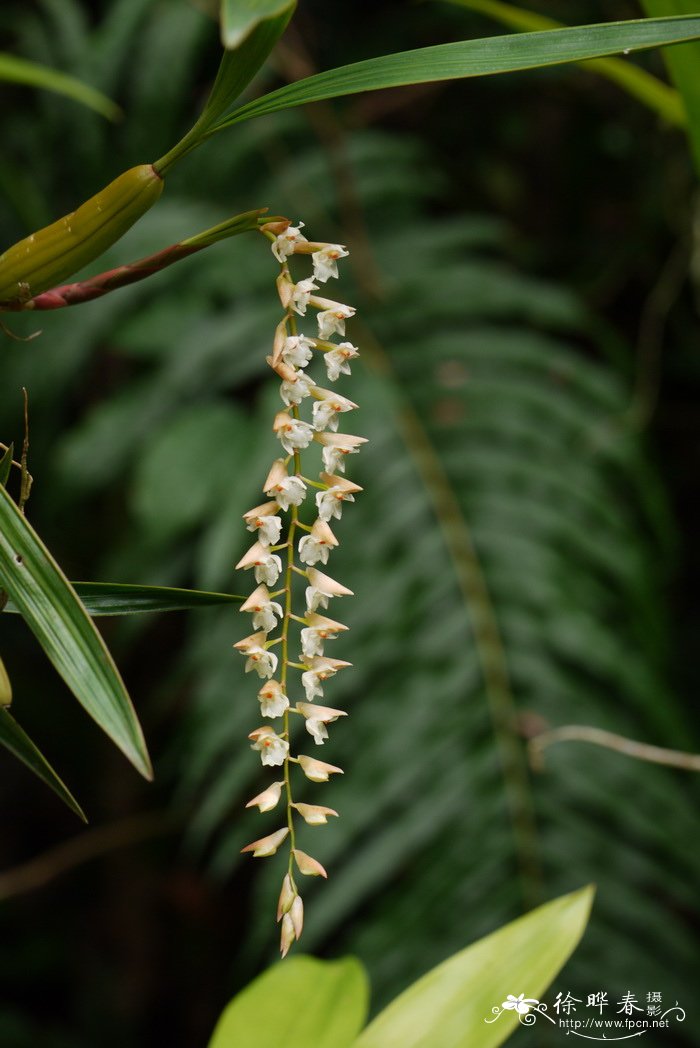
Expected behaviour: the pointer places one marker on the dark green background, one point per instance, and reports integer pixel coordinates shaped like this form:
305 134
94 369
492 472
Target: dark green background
522 248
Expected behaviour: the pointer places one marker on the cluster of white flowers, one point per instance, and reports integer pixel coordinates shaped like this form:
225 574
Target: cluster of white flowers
287 490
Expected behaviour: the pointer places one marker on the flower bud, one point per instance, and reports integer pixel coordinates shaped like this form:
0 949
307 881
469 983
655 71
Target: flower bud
266 846
309 866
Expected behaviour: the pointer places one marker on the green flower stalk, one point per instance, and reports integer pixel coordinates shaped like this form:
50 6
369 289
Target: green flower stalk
287 550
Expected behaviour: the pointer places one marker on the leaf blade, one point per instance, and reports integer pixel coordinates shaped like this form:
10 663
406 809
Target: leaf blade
240 17
265 1013
31 74
114 598
447 1007
52 610
16 740
683 65
471 58
643 86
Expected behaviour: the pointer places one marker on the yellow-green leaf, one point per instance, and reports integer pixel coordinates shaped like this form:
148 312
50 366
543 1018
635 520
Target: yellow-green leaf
240 17
50 607
300 1003
448 1006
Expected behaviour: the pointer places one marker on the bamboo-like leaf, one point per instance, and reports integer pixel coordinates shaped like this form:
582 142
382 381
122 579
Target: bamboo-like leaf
16 740
471 58
683 63
240 17
113 598
643 86
50 607
22 71
267 1013
238 67
448 1006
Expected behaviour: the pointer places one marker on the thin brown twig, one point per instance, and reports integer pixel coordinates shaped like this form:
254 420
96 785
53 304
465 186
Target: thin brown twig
599 737
88 845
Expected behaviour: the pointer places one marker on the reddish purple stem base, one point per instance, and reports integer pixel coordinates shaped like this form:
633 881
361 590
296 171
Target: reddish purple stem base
103 283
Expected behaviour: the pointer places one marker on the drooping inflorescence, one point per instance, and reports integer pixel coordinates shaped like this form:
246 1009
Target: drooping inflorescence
288 549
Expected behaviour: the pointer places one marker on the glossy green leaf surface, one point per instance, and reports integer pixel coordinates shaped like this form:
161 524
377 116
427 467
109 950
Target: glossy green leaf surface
50 607
240 17
470 58
16 740
113 598
684 66
300 1003
642 85
21 71
448 1007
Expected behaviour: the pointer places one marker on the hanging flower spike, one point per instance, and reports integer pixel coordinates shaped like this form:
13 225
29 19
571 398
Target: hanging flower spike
281 553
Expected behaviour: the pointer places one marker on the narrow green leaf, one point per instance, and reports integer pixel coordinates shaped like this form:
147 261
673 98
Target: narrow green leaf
470 58
50 607
6 465
22 71
237 69
448 1006
113 598
642 85
300 1003
240 17
5 686
13 738
684 64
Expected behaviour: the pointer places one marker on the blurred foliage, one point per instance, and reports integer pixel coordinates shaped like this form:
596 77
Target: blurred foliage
516 230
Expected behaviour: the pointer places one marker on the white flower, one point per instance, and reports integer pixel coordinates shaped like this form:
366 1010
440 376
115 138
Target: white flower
337 360
293 434
336 446
268 799
330 503
272 748
311 685
327 408
301 295
286 242
263 520
264 609
314 814
273 701
293 391
287 491
317 771
317 544
318 630
326 261
317 717
331 321
268 566
297 351
321 588
261 660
